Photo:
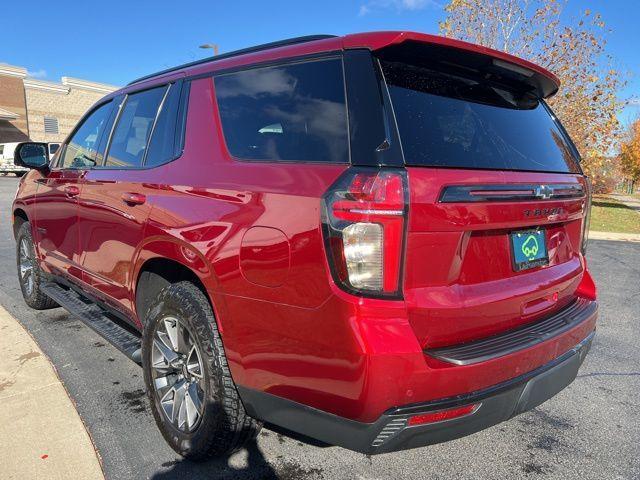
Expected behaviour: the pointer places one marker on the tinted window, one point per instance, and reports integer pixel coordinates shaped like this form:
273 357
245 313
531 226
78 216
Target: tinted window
132 131
290 112
451 121
80 152
162 144
53 148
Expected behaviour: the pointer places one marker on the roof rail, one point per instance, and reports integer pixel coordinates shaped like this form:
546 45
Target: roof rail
257 48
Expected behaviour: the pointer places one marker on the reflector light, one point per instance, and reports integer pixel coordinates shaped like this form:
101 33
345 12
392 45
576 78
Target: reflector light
443 415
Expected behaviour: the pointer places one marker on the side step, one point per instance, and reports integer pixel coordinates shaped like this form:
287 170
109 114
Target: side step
96 318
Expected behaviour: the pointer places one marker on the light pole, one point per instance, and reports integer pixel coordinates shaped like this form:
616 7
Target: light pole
213 46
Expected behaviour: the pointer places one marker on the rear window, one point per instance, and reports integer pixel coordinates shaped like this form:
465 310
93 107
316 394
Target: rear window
294 112
451 121
133 128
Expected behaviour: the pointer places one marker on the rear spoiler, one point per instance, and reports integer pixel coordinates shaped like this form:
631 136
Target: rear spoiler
458 55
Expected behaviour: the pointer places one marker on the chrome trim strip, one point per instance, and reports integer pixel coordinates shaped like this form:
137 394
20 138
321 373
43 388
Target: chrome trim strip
510 192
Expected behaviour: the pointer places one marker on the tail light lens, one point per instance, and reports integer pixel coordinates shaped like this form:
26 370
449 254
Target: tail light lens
364 222
587 218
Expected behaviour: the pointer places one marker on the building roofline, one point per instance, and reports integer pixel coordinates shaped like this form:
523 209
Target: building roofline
88 85
62 87
36 84
12 70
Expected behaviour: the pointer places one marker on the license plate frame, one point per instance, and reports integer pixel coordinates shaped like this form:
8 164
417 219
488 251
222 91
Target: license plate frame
528 249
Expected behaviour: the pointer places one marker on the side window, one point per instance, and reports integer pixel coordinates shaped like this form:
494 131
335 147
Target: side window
81 149
132 131
162 146
294 112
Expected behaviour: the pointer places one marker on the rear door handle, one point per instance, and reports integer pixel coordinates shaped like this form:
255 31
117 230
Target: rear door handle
72 191
133 198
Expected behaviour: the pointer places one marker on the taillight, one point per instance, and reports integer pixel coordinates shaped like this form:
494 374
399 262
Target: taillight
587 218
364 221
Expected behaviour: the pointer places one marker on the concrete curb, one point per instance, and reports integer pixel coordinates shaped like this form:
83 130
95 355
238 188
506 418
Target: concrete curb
618 237
41 433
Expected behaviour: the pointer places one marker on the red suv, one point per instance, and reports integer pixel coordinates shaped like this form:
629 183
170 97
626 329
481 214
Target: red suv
374 240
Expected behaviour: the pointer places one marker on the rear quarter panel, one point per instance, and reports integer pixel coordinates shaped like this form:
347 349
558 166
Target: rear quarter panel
207 203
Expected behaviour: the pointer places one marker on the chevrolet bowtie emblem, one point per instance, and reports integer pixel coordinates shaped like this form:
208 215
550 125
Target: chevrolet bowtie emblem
544 192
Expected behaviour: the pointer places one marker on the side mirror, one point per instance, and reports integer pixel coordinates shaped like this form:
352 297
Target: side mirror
31 155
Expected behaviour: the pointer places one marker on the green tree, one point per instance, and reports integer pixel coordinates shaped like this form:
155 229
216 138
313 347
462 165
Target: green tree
630 156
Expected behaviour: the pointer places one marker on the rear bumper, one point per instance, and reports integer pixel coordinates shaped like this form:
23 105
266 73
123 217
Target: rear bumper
391 431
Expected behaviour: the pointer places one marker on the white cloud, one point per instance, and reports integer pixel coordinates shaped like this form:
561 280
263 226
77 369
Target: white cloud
413 4
41 73
635 101
398 5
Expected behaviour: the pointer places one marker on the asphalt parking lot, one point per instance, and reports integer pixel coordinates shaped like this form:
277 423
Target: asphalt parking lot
589 431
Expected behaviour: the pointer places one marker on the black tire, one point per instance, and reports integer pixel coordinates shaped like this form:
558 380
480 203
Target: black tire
223 425
33 296
20 174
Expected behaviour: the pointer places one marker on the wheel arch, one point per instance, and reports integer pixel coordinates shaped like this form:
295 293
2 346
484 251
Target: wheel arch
155 273
19 217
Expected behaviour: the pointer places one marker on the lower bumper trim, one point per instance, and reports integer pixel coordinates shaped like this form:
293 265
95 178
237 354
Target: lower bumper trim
392 432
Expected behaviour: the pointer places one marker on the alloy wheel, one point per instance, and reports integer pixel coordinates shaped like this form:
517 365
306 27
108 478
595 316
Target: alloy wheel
25 264
178 375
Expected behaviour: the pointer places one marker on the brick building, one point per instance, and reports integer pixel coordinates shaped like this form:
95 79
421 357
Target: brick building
13 104
40 110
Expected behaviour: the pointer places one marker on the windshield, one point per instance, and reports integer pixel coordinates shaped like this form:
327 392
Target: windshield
446 120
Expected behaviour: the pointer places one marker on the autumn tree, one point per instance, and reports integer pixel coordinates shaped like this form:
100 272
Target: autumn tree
576 52
630 155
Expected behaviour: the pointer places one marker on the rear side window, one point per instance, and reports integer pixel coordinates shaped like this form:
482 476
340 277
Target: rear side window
162 146
450 121
293 112
80 152
133 129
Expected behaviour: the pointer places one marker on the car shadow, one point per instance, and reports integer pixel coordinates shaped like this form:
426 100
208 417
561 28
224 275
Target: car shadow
254 467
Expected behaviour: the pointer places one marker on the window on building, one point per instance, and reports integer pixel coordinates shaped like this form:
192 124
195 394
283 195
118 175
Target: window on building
80 152
51 125
134 126
294 112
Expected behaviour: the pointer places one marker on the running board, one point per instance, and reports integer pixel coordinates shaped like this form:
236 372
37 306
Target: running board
96 318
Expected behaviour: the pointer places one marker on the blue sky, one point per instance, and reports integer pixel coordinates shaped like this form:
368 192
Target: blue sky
116 41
